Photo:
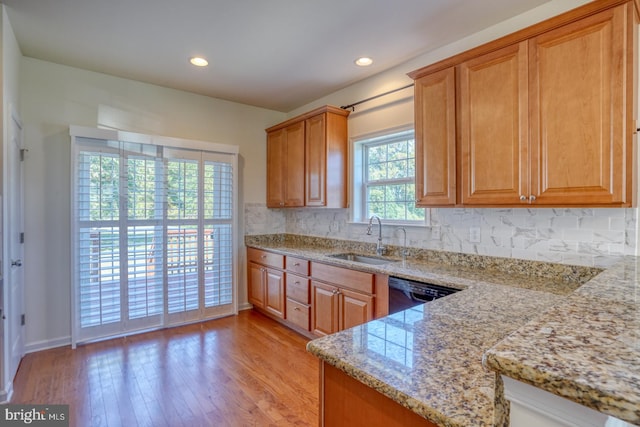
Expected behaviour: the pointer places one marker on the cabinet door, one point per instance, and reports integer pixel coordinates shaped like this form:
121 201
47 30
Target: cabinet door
324 311
326 160
356 308
256 284
276 155
494 128
316 160
579 121
435 121
274 292
294 169
285 167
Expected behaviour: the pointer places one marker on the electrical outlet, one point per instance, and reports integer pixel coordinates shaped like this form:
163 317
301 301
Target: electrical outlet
474 235
435 232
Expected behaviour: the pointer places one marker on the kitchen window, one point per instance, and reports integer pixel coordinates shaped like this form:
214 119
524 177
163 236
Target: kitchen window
384 178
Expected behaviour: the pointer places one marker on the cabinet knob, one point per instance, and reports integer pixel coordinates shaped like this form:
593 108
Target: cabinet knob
523 197
532 198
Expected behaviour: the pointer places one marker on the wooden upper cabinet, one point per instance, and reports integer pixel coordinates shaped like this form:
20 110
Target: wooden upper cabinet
543 117
493 127
312 169
285 166
580 133
435 133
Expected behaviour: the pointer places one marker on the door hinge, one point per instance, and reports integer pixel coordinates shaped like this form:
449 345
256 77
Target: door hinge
23 151
21 237
23 320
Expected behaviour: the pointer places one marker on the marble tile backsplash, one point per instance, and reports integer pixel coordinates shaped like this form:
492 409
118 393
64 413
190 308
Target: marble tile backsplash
591 237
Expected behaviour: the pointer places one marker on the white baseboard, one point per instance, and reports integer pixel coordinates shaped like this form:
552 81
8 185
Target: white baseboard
245 306
47 344
7 393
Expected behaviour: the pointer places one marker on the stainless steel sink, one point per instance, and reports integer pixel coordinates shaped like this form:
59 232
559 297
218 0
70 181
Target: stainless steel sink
364 259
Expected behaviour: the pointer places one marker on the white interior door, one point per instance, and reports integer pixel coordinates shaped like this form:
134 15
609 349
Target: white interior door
14 302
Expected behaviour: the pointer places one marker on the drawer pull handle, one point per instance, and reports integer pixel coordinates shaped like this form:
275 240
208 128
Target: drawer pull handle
296 282
296 264
297 309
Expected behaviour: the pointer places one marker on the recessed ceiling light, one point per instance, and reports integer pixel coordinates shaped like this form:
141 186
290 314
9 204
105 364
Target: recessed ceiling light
364 61
199 62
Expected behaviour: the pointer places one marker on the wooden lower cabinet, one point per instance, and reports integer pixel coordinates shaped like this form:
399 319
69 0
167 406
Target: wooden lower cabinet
266 289
256 284
336 308
274 292
298 312
356 308
325 316
345 401
312 298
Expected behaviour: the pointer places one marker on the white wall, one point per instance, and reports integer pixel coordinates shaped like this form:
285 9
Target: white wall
54 97
574 236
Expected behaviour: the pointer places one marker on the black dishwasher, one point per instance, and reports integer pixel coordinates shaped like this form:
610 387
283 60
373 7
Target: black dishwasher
406 293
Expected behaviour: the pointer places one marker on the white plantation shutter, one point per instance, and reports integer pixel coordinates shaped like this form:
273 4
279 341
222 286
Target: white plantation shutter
153 233
218 222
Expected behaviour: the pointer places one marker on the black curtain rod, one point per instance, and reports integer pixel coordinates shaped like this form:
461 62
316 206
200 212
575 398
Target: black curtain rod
346 107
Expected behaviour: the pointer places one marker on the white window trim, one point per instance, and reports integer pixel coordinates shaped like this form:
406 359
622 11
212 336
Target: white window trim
356 179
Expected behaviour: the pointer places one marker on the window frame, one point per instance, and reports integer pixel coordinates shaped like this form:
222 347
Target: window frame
359 182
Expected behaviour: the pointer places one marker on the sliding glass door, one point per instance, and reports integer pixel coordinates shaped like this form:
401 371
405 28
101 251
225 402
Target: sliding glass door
153 236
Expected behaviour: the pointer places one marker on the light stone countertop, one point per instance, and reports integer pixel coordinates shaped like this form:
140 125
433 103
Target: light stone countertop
429 358
587 348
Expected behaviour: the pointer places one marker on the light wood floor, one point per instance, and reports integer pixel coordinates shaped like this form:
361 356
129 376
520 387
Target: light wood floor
244 370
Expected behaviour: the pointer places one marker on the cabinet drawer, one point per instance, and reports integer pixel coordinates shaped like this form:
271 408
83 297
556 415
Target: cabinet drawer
265 258
343 277
298 265
298 314
298 288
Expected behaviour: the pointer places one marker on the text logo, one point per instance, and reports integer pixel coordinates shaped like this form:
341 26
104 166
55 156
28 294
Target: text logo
34 415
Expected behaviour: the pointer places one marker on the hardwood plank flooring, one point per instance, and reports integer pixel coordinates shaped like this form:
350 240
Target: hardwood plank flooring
244 370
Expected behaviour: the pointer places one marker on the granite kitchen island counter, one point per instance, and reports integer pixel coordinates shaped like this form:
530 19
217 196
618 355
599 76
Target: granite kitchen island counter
429 358
587 348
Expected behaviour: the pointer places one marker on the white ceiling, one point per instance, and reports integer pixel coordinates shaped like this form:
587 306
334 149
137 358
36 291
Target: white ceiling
276 54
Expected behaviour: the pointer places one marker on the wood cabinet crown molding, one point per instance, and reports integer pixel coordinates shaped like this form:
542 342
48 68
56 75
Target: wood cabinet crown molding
523 35
307 115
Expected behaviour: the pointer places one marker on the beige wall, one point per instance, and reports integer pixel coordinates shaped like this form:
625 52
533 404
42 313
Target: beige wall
55 97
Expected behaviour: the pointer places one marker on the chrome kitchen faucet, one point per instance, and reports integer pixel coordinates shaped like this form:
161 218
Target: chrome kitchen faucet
380 248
